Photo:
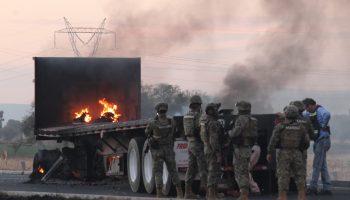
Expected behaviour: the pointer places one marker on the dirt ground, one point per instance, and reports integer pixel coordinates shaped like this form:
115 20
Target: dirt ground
15 163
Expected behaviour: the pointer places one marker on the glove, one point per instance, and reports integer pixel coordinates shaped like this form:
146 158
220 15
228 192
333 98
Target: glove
218 157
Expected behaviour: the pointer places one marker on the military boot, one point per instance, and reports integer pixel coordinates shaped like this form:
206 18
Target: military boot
301 193
218 195
189 194
159 192
211 193
282 195
243 195
179 193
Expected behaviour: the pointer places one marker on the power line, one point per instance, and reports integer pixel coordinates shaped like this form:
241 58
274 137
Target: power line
24 64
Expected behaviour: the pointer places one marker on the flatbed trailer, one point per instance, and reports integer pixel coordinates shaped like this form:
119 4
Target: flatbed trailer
65 85
124 145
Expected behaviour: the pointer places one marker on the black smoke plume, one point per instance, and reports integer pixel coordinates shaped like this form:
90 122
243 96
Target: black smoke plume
287 50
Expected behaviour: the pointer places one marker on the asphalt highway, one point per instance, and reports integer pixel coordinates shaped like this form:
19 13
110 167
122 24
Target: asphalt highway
12 182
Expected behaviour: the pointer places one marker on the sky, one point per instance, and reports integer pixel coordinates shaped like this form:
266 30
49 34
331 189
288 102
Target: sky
199 60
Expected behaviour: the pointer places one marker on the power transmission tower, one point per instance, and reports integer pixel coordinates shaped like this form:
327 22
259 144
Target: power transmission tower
75 32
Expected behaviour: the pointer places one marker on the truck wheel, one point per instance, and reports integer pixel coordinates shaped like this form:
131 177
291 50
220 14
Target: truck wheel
134 164
147 170
168 187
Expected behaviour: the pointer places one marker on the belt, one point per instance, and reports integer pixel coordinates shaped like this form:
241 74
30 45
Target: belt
319 139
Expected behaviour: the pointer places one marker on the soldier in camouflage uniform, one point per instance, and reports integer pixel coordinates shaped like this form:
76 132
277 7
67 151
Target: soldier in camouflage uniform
291 138
210 128
307 125
196 159
244 136
161 140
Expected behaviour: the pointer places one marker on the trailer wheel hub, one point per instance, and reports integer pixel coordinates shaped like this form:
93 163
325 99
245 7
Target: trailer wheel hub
148 167
133 164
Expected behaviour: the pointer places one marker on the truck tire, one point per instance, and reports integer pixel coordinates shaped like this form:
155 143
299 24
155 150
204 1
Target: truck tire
147 170
134 164
148 175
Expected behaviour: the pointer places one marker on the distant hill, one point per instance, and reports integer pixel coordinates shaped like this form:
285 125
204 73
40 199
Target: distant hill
15 111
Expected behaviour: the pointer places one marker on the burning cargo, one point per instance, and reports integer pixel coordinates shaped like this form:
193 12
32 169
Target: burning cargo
95 103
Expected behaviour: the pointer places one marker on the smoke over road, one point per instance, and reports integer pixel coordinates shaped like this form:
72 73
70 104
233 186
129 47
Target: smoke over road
296 35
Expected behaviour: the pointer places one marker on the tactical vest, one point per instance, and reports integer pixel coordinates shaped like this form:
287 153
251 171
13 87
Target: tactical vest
314 121
305 123
162 132
291 136
190 122
316 125
249 134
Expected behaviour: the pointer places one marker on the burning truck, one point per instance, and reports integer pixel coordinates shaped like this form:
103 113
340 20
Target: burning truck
95 104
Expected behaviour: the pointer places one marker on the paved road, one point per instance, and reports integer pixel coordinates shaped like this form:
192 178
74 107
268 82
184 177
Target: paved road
117 187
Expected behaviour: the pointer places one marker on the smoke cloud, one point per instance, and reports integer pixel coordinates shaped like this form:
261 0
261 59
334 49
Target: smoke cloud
290 48
157 26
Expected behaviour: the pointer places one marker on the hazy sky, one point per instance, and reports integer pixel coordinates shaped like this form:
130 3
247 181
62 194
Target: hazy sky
199 61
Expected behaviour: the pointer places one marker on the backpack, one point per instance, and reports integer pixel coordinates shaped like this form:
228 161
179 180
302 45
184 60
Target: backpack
189 123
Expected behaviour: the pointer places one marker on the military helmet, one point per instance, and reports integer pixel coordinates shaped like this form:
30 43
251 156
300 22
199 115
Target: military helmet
214 106
195 99
243 106
298 104
161 106
291 112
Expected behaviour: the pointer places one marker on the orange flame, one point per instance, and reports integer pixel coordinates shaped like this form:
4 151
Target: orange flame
109 108
87 117
41 170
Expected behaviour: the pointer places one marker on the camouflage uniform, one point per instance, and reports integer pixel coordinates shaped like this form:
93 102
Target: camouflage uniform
209 133
291 137
196 159
307 125
244 136
161 141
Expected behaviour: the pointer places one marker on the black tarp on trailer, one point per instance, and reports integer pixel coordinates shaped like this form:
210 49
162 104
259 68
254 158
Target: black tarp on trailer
66 85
